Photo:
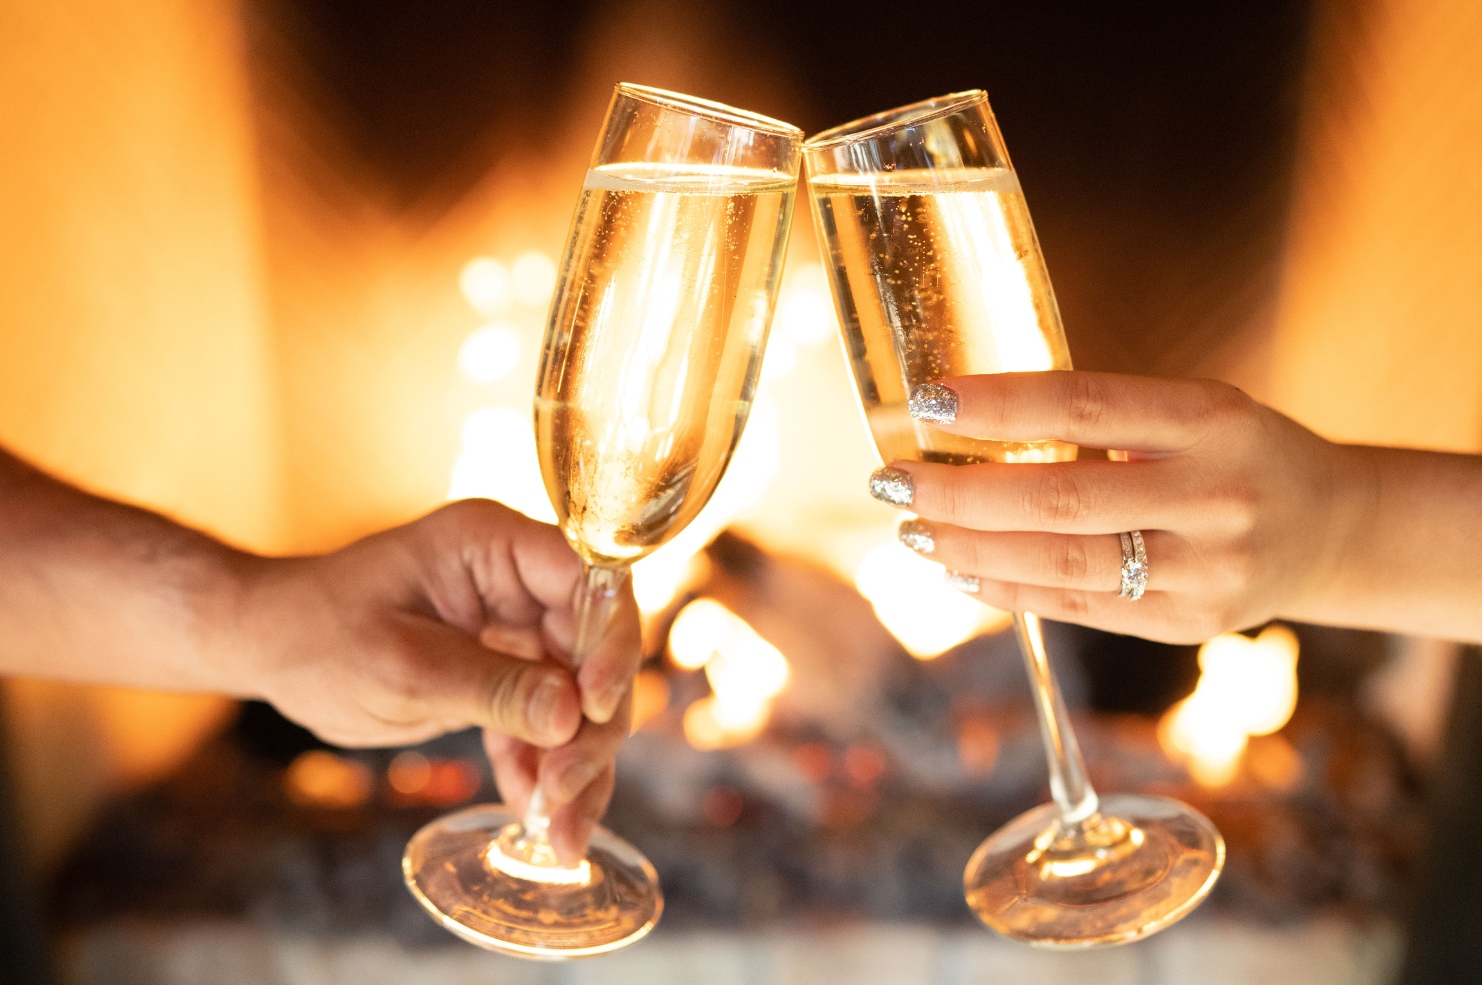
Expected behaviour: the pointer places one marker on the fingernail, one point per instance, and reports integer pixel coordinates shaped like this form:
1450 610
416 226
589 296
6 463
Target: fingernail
962 582
574 779
604 705
933 402
580 839
545 708
917 536
892 486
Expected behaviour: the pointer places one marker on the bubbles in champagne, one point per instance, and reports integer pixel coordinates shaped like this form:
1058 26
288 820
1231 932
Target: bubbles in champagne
654 347
938 273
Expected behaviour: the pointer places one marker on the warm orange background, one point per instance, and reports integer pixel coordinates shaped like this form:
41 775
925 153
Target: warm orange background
203 311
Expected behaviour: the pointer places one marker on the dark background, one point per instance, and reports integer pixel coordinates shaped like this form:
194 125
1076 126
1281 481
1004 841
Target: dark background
1154 140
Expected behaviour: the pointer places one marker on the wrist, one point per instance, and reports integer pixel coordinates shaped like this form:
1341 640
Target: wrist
1352 480
235 623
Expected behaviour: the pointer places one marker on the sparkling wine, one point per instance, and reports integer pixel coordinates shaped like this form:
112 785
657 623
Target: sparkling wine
656 335
938 273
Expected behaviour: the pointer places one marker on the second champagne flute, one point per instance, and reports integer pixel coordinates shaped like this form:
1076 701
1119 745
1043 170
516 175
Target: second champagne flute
936 272
650 364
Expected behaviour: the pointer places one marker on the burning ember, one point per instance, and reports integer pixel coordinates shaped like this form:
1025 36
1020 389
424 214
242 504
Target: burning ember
322 779
1247 687
745 673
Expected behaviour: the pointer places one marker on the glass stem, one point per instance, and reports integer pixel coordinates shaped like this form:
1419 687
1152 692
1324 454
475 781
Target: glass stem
596 600
1068 783
595 604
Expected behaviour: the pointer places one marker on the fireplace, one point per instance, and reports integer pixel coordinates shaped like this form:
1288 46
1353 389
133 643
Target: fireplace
824 731
850 801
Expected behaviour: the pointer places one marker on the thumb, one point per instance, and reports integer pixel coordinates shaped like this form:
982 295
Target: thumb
462 680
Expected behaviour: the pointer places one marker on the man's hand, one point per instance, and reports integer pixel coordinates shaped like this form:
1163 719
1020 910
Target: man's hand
464 617
461 618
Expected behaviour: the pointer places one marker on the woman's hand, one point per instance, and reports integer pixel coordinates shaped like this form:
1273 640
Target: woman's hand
1246 515
461 618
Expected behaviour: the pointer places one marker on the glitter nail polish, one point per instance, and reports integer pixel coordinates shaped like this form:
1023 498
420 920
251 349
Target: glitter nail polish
917 536
892 486
962 582
933 402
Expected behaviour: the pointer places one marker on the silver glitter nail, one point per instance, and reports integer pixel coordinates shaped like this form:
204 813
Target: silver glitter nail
933 402
892 486
961 582
917 536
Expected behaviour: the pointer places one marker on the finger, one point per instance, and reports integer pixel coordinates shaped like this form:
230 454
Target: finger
547 565
568 770
1092 563
515 765
1155 616
525 642
1103 410
607 674
522 569
445 675
1093 497
572 825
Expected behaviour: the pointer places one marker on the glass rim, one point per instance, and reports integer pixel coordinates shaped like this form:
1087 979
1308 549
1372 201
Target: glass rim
697 106
867 127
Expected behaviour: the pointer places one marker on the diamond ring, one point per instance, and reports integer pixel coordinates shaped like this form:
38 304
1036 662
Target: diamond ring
1134 566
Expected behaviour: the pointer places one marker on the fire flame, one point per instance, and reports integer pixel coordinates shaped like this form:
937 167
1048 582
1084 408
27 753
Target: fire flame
745 673
1247 687
919 609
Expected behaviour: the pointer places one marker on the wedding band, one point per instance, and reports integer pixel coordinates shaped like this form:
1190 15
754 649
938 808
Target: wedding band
1134 566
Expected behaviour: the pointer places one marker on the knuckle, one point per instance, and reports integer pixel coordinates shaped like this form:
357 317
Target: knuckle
1085 404
1068 561
1056 500
950 498
997 410
507 695
977 556
1074 606
1220 405
1229 506
1239 504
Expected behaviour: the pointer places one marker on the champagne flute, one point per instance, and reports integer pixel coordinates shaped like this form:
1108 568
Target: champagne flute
651 360
936 271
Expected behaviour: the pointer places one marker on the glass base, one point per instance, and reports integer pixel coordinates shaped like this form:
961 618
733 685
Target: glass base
1141 864
466 870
